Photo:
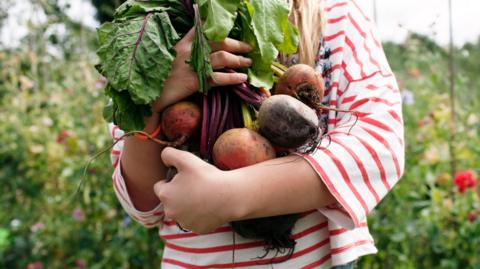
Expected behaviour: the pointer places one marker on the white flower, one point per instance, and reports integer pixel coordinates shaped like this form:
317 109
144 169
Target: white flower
15 223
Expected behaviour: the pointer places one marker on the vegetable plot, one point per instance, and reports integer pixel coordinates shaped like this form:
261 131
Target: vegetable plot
136 54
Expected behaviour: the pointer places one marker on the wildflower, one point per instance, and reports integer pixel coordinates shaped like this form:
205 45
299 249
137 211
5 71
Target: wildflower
408 97
472 216
34 265
62 136
78 214
15 224
81 263
464 180
37 227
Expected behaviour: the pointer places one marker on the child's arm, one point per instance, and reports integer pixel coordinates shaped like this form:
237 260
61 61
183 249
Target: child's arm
202 197
358 164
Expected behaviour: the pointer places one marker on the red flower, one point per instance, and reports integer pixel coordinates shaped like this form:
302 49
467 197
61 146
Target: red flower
62 136
472 216
464 180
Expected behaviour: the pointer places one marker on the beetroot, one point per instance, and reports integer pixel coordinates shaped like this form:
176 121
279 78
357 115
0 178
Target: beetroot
241 147
180 120
302 81
287 122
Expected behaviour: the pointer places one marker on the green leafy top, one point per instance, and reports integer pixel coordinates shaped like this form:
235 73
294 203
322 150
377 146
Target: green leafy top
137 49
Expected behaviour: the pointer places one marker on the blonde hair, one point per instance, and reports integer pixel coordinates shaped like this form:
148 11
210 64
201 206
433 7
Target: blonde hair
308 16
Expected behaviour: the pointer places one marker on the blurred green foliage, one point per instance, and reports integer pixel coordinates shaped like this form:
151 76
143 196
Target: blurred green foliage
425 222
106 8
50 117
51 105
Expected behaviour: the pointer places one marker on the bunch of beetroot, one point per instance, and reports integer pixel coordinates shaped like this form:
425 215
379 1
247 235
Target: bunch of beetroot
244 126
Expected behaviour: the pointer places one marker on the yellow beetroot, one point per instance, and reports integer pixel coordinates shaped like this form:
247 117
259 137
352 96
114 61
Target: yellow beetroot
241 147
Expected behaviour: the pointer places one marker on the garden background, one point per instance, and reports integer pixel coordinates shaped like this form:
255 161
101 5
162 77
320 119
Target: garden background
51 120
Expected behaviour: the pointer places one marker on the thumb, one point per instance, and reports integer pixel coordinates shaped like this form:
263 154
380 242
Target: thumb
179 159
159 187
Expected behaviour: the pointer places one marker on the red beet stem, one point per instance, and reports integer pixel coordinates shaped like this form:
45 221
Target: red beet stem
204 136
226 111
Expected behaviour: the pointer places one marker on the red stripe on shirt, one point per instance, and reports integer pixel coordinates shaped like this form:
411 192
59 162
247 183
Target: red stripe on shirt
319 262
355 55
115 164
347 180
336 251
361 11
395 116
346 73
343 230
361 167
332 189
331 70
253 262
333 36
374 100
310 230
388 86
224 229
375 157
384 142
336 20
243 245
349 99
330 8
382 126
372 75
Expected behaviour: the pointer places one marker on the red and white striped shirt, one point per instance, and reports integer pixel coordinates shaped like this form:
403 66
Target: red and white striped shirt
359 164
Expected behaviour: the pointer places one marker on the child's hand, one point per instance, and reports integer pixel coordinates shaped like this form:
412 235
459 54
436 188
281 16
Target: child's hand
183 81
200 195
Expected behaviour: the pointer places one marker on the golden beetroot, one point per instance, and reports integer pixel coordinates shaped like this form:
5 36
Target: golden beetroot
241 147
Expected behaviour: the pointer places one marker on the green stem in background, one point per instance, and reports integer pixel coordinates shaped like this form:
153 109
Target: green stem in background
453 117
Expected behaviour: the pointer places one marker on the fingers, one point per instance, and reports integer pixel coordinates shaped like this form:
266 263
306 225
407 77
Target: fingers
177 158
223 79
223 59
231 45
188 38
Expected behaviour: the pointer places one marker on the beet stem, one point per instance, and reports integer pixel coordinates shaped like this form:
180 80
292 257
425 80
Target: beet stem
225 114
204 135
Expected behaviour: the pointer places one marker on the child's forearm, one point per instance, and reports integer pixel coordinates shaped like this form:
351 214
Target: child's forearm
142 167
281 186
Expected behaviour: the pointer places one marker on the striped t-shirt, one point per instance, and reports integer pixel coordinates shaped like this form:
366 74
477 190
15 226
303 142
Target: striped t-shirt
358 164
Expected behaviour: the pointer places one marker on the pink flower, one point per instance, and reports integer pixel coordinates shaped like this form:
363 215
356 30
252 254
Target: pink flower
34 265
78 214
464 180
81 263
37 227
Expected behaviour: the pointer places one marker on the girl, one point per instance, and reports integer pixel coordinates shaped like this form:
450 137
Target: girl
335 187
